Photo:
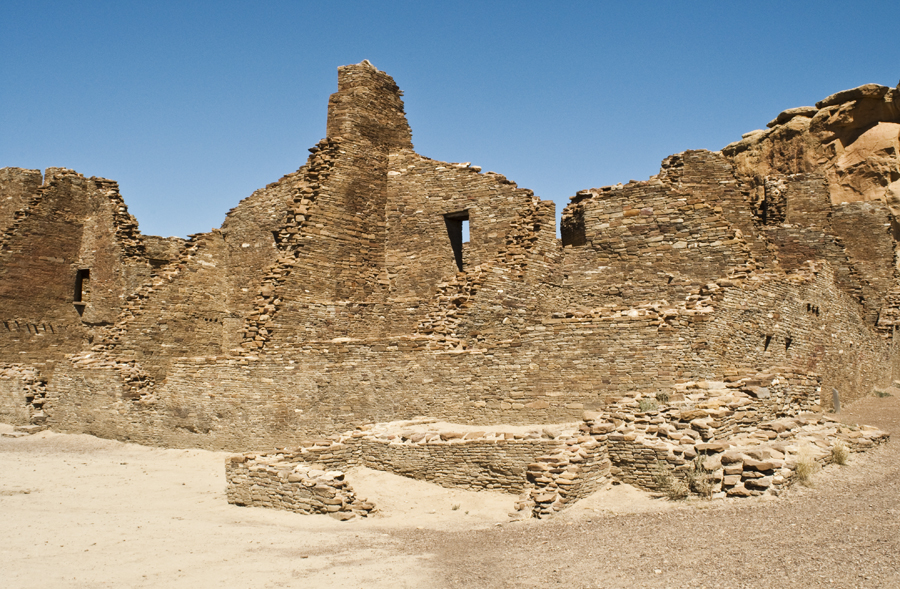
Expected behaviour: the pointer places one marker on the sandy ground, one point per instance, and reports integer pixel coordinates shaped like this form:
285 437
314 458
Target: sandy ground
78 511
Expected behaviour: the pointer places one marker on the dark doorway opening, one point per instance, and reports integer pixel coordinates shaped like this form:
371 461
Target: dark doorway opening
457 230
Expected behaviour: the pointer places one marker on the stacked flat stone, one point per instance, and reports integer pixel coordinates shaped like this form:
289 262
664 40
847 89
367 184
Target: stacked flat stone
300 488
260 322
453 299
127 233
576 470
729 428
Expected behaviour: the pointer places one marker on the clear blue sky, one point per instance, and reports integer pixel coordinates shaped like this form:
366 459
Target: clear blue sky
193 105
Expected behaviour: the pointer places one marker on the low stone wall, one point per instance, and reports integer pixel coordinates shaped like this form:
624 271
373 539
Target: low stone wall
636 463
270 481
475 460
468 460
716 439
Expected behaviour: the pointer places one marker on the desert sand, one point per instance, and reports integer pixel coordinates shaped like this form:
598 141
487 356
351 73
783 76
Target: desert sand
79 511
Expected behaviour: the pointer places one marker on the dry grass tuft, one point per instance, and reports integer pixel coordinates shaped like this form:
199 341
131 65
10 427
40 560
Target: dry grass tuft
667 483
700 480
806 466
839 453
645 405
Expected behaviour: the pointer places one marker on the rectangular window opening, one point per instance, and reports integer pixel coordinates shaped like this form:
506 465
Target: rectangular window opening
83 286
458 231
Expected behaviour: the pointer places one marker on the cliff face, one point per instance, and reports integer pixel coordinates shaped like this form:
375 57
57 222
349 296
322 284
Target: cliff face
851 140
344 292
851 137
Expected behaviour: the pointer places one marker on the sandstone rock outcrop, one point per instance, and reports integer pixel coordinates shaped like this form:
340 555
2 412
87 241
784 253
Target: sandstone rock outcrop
852 137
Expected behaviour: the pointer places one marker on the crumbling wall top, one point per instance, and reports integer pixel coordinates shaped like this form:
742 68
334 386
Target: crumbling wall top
368 107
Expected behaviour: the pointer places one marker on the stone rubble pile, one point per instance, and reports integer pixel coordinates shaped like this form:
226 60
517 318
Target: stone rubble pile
745 435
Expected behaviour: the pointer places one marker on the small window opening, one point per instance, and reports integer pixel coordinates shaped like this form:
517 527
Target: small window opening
458 231
83 286
768 341
787 343
572 230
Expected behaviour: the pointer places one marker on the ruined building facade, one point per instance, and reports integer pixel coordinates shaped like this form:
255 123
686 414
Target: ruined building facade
344 293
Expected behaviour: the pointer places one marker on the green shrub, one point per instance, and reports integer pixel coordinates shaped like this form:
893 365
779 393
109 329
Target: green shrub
881 394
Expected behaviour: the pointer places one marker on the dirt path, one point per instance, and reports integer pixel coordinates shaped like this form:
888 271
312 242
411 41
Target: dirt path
83 512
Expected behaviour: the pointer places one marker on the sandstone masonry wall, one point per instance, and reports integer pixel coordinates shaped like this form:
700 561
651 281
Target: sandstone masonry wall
344 293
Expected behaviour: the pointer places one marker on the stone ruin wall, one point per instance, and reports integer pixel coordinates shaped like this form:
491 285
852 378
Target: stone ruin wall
309 478
18 187
333 296
69 223
231 403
